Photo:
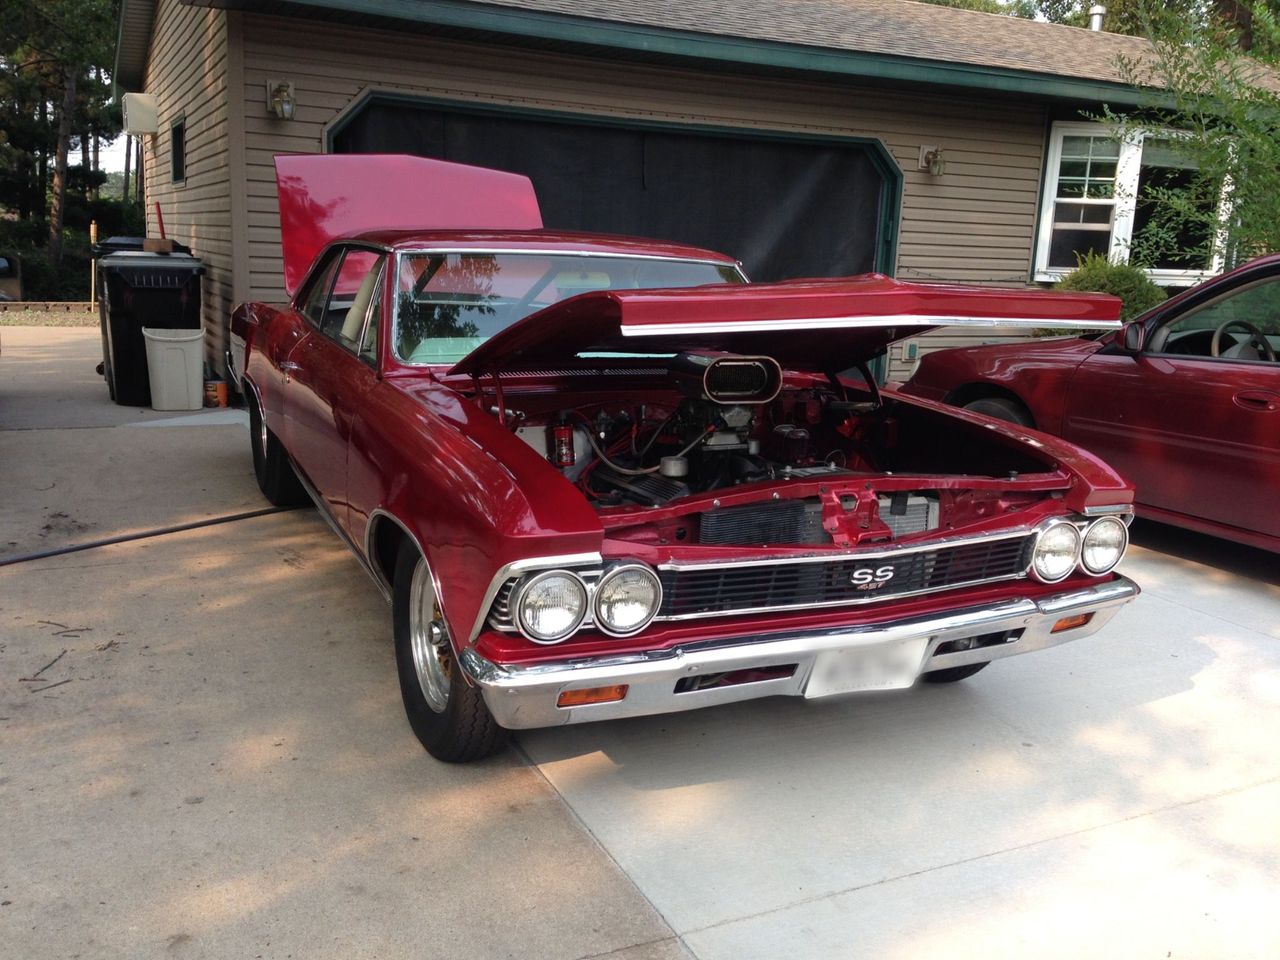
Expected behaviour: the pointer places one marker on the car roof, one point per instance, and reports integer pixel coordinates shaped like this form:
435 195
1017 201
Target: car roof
550 241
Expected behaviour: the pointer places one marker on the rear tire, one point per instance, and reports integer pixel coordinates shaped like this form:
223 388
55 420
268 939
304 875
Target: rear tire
448 715
271 466
952 674
1002 409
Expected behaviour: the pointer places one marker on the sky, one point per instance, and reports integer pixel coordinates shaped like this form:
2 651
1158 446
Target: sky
111 156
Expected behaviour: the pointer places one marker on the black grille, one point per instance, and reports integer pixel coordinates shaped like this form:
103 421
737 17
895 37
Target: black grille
710 590
791 521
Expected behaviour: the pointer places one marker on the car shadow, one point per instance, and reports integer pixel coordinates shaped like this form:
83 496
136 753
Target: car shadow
1224 555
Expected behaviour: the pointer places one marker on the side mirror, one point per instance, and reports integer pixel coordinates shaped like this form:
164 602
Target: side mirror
1132 338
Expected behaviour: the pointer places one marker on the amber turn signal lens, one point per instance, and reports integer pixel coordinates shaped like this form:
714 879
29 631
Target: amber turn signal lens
580 698
1070 623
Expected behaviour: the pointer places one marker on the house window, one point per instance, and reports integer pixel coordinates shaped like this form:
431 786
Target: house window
1097 198
178 151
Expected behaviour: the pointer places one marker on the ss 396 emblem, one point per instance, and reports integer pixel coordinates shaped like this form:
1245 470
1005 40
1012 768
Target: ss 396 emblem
871 578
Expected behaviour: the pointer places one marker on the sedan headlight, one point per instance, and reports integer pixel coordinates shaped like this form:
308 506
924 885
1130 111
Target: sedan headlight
627 598
550 606
1104 545
1057 551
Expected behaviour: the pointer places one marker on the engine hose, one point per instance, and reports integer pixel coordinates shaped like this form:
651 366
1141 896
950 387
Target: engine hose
628 472
143 535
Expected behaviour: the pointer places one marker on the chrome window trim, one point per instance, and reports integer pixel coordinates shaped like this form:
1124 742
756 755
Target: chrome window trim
527 251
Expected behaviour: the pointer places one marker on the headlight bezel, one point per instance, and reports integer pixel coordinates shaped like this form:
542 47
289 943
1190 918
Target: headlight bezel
521 593
1124 544
598 620
1058 523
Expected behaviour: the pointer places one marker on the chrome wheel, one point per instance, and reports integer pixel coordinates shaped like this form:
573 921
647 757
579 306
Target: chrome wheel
262 433
429 640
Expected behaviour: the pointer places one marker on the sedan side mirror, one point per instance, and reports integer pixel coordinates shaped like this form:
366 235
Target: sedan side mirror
1132 338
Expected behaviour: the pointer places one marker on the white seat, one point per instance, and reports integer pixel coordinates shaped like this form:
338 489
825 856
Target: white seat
354 322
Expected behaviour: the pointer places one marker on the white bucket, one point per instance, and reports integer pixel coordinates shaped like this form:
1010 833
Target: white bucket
175 366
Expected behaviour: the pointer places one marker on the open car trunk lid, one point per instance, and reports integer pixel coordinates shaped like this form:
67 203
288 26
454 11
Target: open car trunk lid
821 325
334 195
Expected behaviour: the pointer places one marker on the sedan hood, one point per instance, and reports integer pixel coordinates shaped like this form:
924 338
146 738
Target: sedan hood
820 325
334 195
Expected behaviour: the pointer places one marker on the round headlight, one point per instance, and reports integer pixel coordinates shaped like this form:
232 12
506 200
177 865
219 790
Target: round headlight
1057 551
1104 545
627 598
550 606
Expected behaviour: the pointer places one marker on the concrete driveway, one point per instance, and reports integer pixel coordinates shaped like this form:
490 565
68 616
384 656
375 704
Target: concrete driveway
218 764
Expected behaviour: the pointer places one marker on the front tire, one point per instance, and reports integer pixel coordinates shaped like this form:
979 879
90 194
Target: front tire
1002 408
448 715
952 674
271 466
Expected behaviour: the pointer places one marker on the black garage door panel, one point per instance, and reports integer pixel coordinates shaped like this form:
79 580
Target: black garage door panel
785 208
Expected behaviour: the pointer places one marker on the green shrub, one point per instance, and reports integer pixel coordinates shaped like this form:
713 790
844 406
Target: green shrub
1096 274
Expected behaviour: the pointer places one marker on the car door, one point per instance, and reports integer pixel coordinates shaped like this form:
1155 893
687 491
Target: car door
328 377
1199 435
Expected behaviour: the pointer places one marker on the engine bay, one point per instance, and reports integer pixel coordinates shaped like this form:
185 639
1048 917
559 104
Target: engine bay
725 450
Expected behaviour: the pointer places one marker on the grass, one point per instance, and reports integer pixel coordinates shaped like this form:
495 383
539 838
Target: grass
48 318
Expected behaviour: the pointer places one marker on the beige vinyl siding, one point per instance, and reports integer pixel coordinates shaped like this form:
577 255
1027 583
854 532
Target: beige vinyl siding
974 224
188 71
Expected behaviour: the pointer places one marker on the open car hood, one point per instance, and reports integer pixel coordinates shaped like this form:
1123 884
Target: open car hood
819 325
334 195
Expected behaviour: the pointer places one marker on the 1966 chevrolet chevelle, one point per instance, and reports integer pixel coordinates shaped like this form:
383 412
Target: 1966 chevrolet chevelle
602 477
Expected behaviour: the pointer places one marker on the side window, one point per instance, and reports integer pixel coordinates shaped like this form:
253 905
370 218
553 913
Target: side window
369 347
1242 315
352 293
316 301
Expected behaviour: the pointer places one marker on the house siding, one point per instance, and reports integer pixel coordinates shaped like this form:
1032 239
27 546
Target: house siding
188 72
974 224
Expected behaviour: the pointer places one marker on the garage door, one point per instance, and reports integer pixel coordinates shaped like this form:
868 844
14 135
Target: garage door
785 207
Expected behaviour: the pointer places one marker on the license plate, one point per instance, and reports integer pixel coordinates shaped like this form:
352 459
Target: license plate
879 667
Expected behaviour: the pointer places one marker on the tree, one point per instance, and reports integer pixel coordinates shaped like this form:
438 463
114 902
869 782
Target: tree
52 55
1213 99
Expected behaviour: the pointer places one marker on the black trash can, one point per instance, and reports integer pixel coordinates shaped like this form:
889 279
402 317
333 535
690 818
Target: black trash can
139 290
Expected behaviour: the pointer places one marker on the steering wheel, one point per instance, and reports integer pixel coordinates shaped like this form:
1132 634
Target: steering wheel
1257 338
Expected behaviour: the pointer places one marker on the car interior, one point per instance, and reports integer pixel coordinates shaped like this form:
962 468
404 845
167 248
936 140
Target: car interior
1242 324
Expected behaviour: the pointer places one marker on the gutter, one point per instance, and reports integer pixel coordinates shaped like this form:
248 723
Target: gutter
684 44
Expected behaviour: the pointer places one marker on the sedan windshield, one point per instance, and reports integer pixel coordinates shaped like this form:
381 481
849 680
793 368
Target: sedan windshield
447 304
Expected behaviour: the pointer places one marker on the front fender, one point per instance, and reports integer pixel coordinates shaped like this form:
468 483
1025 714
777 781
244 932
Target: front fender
475 497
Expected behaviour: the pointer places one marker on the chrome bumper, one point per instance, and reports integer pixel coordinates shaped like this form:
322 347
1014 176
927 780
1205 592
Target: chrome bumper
523 696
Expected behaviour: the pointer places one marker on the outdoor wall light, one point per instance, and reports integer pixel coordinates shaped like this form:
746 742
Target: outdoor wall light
280 99
931 159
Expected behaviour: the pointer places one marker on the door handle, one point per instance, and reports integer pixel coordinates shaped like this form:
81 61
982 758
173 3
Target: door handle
287 367
1257 400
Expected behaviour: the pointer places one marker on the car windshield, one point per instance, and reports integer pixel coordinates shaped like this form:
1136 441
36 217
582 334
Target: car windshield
447 304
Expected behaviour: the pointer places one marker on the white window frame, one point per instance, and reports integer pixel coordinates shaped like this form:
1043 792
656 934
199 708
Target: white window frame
1128 168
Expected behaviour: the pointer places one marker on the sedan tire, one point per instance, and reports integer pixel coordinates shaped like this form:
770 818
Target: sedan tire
271 466
1001 408
952 674
448 714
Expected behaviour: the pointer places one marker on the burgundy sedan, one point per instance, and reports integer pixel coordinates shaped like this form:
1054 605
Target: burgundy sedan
1184 401
600 477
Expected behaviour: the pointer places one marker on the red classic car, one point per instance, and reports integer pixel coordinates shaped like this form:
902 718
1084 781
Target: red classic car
1184 401
601 477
